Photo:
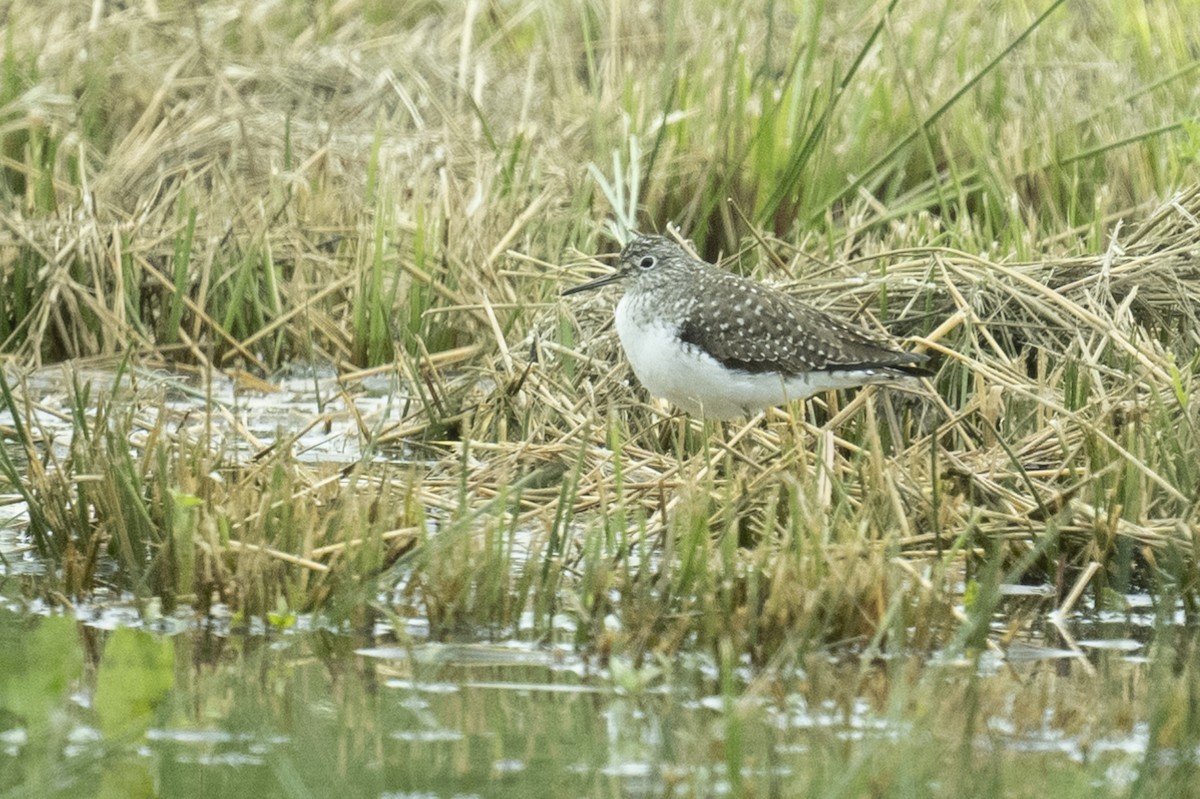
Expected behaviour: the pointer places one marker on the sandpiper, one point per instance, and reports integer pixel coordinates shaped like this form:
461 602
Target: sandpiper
721 346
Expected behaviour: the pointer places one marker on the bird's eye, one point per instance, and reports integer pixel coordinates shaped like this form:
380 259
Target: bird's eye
648 262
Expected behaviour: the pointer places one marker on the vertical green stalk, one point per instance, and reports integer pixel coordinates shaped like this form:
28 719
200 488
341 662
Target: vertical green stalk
182 259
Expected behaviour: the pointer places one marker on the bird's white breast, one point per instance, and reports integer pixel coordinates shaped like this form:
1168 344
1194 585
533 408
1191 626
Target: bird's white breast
688 377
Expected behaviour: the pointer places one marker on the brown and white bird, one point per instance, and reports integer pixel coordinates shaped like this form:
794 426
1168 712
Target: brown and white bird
721 346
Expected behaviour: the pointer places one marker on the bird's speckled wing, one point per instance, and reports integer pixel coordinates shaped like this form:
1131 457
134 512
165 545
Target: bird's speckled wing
769 331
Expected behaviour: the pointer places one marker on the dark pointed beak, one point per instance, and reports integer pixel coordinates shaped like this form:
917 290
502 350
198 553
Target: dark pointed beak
594 284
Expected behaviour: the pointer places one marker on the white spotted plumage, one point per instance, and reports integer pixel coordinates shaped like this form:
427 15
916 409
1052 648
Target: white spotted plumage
722 346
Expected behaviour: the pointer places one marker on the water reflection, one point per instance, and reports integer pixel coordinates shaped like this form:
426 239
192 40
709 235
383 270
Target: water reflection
203 712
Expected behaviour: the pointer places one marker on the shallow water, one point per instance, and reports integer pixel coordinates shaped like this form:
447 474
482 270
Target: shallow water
308 404
116 699
182 708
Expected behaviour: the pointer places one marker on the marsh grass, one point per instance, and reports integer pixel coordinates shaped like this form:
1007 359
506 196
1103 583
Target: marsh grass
411 191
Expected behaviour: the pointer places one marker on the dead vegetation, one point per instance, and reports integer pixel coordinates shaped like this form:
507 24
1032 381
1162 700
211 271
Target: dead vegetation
409 198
